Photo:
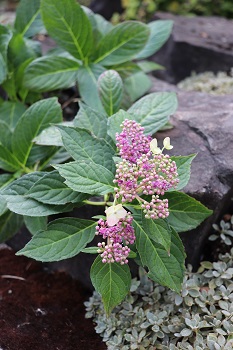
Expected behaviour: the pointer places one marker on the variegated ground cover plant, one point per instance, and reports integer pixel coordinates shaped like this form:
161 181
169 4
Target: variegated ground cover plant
114 163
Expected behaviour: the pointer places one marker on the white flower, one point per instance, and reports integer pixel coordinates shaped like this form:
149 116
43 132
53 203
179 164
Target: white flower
166 143
154 147
114 214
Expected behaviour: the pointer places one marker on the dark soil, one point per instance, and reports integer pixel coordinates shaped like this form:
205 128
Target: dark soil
41 311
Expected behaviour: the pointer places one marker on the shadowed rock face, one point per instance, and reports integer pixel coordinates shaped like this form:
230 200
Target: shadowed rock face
203 124
197 44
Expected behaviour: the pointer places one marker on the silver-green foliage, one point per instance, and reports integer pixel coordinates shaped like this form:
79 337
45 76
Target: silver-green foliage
155 317
219 84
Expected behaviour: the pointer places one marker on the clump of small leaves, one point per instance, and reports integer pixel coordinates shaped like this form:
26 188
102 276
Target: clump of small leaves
154 317
224 231
219 84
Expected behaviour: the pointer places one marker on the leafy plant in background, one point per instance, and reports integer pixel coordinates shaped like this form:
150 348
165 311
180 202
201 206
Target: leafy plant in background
87 46
117 166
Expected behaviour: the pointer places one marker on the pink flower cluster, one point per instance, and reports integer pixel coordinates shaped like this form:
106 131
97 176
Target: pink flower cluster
145 173
131 142
123 231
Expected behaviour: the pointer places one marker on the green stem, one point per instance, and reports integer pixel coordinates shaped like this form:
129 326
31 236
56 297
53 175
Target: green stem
97 203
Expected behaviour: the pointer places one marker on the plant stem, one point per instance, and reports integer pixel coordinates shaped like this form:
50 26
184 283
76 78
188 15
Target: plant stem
97 203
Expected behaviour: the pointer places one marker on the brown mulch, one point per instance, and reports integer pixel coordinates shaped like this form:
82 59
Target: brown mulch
41 311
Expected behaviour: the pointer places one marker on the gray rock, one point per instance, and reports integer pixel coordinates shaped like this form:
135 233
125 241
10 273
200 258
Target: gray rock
197 44
203 124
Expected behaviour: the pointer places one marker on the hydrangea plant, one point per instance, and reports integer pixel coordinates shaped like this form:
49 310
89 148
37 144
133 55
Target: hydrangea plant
118 166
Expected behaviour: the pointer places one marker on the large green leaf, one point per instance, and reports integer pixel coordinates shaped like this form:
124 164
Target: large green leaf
153 111
186 213
14 194
5 37
159 231
50 73
68 25
38 117
166 269
5 134
94 121
183 164
110 87
3 69
11 112
50 189
87 177
111 281
64 238
81 145
159 33
87 84
10 223
122 43
28 20
19 50
8 161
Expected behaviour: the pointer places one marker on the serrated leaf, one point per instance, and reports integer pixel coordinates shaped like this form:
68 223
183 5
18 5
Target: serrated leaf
68 25
94 121
63 239
167 270
50 189
50 72
115 121
183 164
186 213
159 231
11 112
137 85
122 43
87 84
37 117
87 177
81 145
153 111
14 194
110 87
35 224
10 223
28 20
159 34
111 281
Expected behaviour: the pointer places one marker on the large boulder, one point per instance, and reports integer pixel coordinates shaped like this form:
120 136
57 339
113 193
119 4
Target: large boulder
196 44
203 124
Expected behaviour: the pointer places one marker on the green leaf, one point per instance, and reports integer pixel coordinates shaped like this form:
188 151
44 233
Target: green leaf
68 25
8 161
159 34
111 281
5 179
159 231
87 177
10 224
3 69
5 135
126 69
28 21
35 224
50 73
183 164
19 50
14 194
50 189
38 117
149 66
167 270
186 213
137 85
11 112
87 84
153 111
122 43
110 88
81 145
3 205
63 239
90 250
115 121
102 25
5 37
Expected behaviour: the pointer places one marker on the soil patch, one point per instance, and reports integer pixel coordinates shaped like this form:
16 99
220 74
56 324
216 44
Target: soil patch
42 311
